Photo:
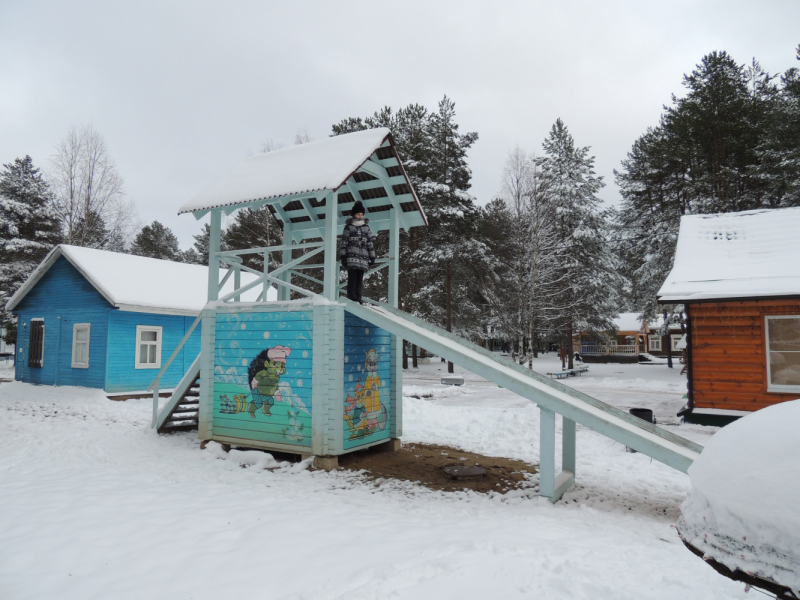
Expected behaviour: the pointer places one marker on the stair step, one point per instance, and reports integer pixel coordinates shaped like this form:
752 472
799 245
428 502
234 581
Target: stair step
180 423
188 402
183 414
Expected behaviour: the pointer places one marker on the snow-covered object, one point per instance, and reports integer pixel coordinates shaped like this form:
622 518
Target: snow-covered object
133 282
322 165
735 255
744 506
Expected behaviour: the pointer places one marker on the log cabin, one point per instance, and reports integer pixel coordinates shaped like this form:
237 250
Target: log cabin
738 275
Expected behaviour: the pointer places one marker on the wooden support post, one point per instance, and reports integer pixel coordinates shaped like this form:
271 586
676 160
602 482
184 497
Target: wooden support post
331 277
547 452
394 257
568 446
551 486
284 293
396 391
237 281
213 248
266 271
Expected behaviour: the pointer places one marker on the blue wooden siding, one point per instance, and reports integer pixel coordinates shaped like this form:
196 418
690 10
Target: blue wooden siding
367 387
63 297
121 372
238 407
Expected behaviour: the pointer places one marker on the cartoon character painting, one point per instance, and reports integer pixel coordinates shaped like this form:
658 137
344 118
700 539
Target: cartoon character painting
263 375
363 411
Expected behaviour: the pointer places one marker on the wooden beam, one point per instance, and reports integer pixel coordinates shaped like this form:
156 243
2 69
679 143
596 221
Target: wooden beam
213 249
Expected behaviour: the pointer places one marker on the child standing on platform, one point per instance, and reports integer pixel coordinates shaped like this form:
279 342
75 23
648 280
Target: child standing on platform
356 251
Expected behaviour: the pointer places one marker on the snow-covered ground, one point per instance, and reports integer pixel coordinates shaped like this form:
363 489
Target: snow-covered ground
94 505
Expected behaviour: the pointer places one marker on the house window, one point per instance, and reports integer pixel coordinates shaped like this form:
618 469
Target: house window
36 343
783 354
675 338
80 345
654 343
148 347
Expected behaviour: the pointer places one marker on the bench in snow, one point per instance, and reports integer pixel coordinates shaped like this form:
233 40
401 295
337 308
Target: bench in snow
452 380
569 373
560 375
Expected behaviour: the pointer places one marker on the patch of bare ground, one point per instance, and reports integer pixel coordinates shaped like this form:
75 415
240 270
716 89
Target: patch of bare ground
425 463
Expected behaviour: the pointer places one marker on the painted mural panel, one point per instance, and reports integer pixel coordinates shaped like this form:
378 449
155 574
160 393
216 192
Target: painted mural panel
367 382
262 376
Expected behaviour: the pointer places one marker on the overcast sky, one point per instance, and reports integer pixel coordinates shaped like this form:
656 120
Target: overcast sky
181 91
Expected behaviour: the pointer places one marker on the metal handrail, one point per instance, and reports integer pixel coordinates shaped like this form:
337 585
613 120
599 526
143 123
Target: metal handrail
156 382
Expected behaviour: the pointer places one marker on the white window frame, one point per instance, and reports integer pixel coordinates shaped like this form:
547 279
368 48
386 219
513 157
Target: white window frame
773 387
654 343
75 328
159 340
674 339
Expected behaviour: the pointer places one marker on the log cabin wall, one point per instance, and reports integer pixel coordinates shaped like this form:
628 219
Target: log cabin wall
728 354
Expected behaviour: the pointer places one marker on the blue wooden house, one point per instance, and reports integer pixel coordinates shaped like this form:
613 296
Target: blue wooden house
106 320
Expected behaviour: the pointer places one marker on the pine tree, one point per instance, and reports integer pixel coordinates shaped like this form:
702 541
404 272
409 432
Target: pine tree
251 229
589 272
732 143
157 241
89 230
29 229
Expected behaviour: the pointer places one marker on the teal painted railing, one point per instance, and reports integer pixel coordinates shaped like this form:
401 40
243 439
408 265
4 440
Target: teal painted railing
156 382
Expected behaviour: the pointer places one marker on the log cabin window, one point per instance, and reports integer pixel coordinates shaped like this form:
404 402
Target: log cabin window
675 338
654 343
36 344
148 347
80 345
783 354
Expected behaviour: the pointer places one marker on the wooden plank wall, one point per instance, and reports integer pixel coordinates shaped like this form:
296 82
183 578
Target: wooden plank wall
63 297
729 368
367 389
239 339
121 372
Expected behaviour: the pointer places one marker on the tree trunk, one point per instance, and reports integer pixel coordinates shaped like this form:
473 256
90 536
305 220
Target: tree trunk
414 355
569 345
448 298
405 356
669 342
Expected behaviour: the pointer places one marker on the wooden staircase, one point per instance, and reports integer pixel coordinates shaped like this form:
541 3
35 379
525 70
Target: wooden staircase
184 417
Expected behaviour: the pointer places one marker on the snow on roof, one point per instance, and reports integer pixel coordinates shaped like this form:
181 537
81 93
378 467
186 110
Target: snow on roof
322 165
628 321
138 283
751 254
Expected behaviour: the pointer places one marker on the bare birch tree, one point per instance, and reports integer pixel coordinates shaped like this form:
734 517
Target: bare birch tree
89 191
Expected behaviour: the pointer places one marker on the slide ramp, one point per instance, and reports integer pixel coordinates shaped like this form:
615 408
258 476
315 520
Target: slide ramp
653 441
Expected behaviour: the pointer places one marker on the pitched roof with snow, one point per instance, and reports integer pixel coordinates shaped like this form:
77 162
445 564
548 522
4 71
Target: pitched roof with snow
137 283
751 254
295 181
628 322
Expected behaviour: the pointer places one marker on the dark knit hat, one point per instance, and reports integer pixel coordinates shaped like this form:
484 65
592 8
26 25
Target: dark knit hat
357 208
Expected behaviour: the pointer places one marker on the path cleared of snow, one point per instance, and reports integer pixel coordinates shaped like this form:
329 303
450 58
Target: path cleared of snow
94 505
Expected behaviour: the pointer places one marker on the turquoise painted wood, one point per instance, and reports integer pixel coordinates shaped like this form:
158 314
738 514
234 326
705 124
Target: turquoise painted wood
262 382
63 297
308 377
121 372
367 383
